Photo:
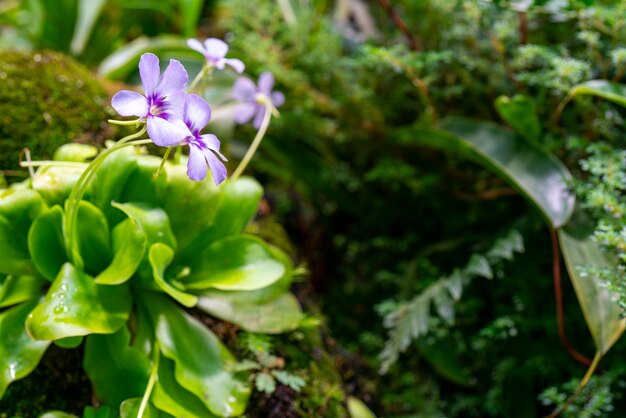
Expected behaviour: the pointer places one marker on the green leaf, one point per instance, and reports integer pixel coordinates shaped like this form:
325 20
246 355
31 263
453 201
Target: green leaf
253 311
602 314
88 12
120 64
190 11
19 355
184 197
130 409
109 181
93 238
203 363
101 412
265 383
539 176
614 92
294 382
155 224
75 306
75 152
358 409
172 398
442 357
520 113
129 245
142 185
18 289
236 205
18 209
54 184
45 243
57 414
479 266
235 263
69 342
160 257
116 370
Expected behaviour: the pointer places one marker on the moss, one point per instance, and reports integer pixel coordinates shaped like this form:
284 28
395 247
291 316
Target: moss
46 99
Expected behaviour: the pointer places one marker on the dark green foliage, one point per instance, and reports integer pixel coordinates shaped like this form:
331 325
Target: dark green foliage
46 100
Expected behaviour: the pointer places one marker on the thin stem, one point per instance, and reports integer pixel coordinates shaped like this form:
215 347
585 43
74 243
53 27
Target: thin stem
151 381
167 154
256 142
47 163
78 191
558 296
581 386
124 122
414 43
201 74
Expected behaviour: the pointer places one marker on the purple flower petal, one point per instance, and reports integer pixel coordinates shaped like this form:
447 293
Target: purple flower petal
266 82
278 98
244 90
197 113
149 72
165 133
196 166
213 144
244 112
196 45
258 118
216 48
174 79
218 169
130 103
174 105
236 64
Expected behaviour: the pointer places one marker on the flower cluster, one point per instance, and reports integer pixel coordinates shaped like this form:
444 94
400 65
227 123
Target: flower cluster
174 117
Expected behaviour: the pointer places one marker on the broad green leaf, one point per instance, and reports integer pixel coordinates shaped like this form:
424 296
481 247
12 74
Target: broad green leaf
129 244
160 257
120 64
19 355
235 263
190 205
45 243
615 92
539 176
443 358
519 112
130 409
358 409
18 289
237 204
109 181
18 209
101 412
69 342
75 152
57 414
602 314
116 370
93 238
253 311
54 184
203 364
172 398
190 11
155 224
88 12
142 185
75 306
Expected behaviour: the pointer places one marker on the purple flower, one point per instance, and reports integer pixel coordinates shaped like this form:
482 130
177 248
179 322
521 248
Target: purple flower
214 50
203 149
254 99
162 104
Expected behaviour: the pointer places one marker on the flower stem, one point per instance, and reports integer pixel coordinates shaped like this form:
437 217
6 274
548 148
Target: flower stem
124 122
167 154
47 163
205 69
151 381
78 191
256 142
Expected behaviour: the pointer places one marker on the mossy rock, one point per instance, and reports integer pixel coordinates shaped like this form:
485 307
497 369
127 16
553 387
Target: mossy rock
47 99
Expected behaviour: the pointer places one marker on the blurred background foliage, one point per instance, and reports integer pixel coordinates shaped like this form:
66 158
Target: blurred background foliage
378 216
